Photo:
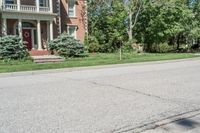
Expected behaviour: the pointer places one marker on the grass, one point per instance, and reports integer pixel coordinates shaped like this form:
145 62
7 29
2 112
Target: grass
92 60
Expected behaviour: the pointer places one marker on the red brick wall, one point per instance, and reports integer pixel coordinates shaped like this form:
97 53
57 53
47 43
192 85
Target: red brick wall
78 20
10 25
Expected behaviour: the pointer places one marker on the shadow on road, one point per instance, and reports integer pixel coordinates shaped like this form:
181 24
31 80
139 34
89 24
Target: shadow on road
188 123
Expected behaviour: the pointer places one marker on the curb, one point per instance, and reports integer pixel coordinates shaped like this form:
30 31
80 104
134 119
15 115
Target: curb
51 71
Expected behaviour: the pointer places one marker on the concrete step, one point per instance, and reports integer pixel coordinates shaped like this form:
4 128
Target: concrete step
39 52
47 59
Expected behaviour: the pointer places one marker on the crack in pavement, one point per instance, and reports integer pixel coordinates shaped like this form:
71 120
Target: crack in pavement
144 94
128 90
132 91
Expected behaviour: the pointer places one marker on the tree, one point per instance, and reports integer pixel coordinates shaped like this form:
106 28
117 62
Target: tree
150 22
165 22
133 8
107 24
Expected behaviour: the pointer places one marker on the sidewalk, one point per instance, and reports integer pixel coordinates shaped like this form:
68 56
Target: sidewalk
187 125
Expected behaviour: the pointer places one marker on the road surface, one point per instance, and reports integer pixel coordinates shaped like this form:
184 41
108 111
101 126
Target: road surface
123 98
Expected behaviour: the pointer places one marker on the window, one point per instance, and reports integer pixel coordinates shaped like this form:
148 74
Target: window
10 2
71 8
44 3
72 31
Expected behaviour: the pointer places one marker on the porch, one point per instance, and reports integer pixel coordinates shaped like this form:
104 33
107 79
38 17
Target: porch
35 33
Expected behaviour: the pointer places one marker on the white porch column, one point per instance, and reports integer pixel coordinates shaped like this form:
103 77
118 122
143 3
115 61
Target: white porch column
20 27
38 5
18 5
39 35
4 26
51 30
51 5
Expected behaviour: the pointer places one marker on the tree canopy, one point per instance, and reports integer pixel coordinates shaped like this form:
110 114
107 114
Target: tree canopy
150 23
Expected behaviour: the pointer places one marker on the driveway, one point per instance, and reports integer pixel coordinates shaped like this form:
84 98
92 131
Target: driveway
117 99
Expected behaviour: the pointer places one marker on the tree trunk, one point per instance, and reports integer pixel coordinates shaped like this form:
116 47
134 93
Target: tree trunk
130 26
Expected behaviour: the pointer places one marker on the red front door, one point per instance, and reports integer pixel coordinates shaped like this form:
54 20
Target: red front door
27 38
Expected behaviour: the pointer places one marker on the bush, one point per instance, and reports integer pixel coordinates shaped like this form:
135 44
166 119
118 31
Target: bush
12 47
161 48
67 46
93 44
127 47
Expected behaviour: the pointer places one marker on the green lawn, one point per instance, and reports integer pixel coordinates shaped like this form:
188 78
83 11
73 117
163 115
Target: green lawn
92 60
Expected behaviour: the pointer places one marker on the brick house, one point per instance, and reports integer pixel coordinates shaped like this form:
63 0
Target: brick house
38 21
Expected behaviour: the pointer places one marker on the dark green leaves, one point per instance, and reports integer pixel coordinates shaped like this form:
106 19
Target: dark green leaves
12 47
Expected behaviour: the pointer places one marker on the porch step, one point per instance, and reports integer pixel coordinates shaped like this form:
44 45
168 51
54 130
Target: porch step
39 52
47 59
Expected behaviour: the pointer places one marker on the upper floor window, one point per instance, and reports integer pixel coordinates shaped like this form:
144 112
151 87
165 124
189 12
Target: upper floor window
10 1
44 3
72 30
71 8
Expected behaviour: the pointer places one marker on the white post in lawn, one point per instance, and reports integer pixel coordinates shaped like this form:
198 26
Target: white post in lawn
120 53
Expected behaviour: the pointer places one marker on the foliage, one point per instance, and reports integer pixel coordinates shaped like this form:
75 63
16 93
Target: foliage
129 46
12 48
161 48
175 22
93 44
107 24
67 46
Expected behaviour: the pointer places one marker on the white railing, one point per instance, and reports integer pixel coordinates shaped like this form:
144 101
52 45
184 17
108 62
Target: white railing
26 8
44 9
10 7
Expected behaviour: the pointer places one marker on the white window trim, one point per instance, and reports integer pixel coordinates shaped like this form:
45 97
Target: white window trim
76 27
74 9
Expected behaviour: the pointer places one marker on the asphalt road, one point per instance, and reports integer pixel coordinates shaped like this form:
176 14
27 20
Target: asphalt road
124 98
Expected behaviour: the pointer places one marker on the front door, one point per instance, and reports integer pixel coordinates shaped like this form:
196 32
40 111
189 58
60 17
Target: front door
27 38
